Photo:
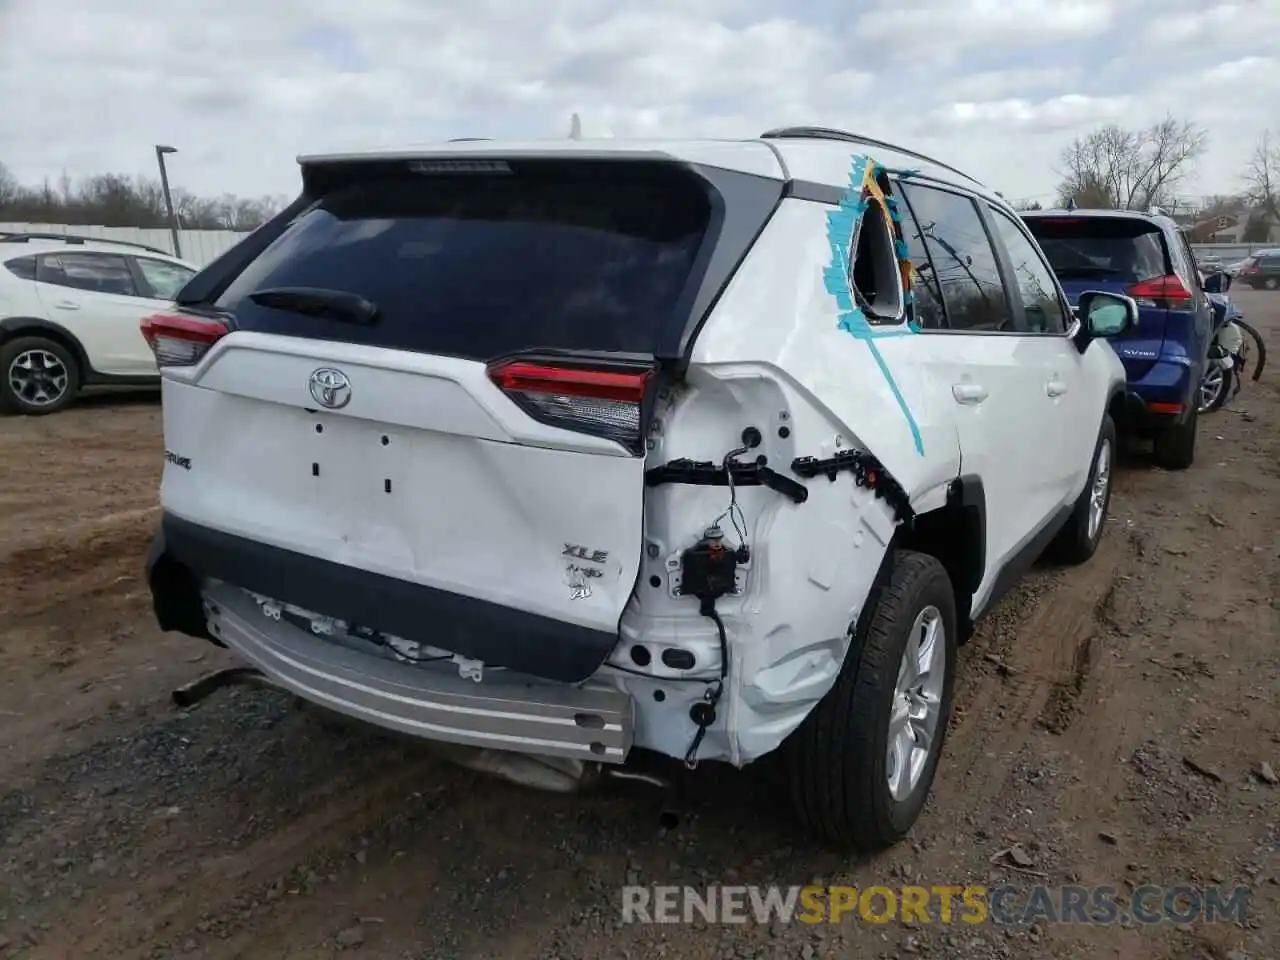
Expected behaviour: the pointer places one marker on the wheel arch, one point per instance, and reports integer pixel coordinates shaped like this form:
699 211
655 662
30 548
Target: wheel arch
1118 404
956 535
13 327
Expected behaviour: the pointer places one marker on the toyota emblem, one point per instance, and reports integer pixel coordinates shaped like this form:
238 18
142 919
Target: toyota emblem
330 388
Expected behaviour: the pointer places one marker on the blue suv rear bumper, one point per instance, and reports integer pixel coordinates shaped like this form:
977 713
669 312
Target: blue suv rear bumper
1163 395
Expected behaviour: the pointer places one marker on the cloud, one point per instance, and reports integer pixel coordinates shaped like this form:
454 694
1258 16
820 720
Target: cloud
1068 112
951 27
242 87
993 84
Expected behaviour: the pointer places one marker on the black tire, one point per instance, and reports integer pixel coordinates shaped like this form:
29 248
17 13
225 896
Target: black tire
1075 542
11 401
1218 402
837 761
1175 447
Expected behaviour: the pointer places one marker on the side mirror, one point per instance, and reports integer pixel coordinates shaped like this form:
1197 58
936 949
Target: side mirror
1105 314
1219 282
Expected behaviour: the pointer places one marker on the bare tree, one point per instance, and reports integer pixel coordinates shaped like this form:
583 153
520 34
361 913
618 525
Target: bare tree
117 200
1257 229
9 185
1115 167
1262 177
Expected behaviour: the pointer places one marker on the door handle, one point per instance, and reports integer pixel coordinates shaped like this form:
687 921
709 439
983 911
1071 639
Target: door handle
67 305
1055 387
969 392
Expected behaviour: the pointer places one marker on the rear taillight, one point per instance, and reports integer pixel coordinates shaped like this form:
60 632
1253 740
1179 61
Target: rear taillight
606 400
1249 268
178 340
1168 293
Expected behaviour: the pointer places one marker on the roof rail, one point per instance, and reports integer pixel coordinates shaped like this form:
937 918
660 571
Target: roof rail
74 238
826 133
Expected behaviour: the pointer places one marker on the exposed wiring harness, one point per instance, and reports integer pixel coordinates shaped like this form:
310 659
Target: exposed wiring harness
709 570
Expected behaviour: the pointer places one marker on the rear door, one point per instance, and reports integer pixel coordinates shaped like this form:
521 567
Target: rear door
443 379
975 342
95 296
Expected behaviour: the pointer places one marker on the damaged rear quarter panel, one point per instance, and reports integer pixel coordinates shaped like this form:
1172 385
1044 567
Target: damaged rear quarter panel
811 566
774 356
777 311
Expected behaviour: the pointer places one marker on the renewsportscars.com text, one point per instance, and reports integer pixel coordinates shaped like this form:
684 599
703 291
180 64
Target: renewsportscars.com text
945 904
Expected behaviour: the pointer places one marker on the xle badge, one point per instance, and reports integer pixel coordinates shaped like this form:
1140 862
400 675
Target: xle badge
579 552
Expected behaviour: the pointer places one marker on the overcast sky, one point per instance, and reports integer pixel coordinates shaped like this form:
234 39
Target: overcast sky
241 87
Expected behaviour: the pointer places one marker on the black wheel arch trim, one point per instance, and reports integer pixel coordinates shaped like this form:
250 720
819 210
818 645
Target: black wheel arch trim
20 326
956 535
968 493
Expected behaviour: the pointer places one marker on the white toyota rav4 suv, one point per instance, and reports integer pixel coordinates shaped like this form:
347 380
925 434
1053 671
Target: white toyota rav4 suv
69 313
710 448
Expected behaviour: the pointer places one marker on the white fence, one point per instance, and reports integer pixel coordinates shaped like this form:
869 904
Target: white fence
199 247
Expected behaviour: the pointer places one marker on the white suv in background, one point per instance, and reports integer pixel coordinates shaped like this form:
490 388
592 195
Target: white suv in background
712 448
69 313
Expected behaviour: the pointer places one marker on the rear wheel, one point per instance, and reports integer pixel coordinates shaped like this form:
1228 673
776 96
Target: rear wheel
1175 447
1215 388
39 376
861 765
1271 283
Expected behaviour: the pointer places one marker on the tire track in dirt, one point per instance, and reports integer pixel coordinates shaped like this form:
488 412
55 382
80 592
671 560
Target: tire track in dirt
186 888
76 562
1040 639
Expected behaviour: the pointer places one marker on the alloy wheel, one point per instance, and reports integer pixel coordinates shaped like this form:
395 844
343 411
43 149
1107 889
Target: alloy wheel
917 703
38 378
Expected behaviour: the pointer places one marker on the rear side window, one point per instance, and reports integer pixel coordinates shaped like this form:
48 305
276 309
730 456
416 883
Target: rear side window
961 258
1184 263
24 268
578 256
92 272
1099 248
926 294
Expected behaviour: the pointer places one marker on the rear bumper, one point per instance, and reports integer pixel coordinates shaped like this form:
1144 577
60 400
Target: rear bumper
1163 396
185 554
505 711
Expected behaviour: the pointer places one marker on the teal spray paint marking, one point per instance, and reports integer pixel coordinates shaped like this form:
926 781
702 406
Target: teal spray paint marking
835 278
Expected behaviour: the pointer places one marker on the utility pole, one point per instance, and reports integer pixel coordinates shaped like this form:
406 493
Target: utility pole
168 199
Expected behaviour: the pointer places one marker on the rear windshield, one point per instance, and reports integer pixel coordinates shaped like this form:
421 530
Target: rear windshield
1096 248
577 256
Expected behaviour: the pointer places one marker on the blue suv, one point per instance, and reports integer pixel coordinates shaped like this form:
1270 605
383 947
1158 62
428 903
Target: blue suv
1144 256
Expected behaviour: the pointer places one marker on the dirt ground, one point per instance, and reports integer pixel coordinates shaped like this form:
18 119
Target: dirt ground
1112 723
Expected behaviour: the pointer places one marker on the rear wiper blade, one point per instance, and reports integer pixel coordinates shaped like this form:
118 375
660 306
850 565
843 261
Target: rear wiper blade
318 302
